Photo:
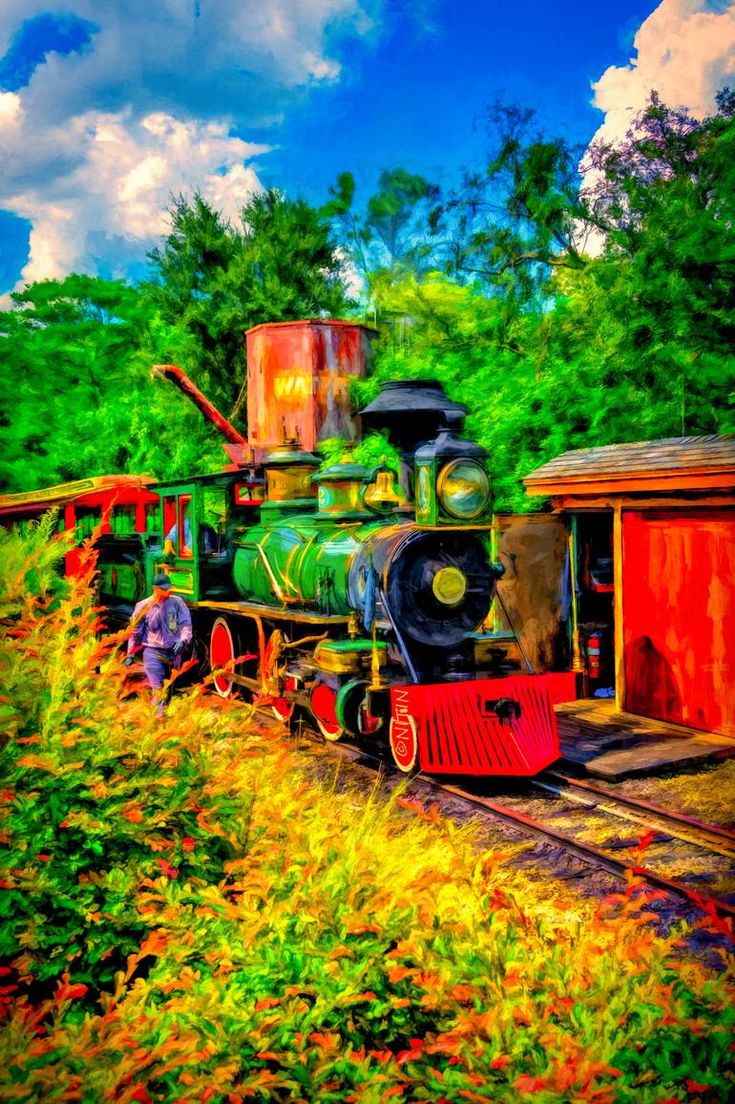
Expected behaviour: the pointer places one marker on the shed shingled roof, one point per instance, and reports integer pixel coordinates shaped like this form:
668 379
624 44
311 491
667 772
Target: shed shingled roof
627 464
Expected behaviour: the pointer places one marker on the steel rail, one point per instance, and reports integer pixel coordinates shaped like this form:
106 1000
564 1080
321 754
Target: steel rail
702 835
588 850
715 830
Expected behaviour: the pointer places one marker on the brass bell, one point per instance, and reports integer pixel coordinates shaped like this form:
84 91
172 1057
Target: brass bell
381 495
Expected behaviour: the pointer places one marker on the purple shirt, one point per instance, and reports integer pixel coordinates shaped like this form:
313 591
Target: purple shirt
160 624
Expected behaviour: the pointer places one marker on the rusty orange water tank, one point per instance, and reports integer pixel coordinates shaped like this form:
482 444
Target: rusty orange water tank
298 380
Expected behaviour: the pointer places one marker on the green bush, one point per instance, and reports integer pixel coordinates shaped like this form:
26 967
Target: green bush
190 917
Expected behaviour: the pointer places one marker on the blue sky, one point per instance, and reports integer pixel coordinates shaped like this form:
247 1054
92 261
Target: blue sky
107 107
418 97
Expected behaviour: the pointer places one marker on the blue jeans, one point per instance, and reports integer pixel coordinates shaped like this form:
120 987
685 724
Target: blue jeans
158 663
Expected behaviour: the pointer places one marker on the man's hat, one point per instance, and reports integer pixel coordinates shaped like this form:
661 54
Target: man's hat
162 581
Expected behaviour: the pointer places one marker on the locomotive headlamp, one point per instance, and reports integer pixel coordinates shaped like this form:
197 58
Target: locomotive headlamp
464 489
449 585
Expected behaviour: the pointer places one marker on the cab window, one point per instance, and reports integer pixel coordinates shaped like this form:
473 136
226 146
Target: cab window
88 518
184 545
170 529
212 537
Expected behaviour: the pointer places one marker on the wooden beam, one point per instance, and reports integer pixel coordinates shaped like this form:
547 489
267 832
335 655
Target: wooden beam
618 635
677 480
580 502
578 665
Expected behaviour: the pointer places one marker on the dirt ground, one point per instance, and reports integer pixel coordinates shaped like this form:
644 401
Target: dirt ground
707 793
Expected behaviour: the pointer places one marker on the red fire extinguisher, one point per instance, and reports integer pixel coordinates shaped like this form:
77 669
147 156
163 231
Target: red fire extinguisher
594 642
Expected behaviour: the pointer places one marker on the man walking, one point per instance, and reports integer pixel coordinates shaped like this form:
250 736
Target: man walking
161 626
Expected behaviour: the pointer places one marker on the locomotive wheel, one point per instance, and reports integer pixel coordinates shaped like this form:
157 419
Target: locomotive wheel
323 701
281 707
404 745
222 650
351 712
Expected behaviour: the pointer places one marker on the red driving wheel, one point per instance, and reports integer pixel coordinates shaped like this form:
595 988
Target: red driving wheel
323 701
221 652
282 707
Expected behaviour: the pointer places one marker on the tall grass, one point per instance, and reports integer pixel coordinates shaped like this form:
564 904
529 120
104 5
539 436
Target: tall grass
188 918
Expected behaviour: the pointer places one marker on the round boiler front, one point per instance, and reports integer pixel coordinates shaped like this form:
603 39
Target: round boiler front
437 584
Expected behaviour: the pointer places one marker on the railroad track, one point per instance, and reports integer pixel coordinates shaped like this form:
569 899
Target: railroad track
662 826
707 838
711 837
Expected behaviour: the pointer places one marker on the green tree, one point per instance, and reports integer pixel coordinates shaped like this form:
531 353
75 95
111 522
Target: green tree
483 354
668 267
393 234
520 216
212 281
76 396
66 353
554 348
75 392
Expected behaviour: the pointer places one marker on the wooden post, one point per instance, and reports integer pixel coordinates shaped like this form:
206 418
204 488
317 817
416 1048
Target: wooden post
140 514
618 607
577 660
491 620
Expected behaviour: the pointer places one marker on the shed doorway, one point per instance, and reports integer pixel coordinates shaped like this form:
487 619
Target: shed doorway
592 622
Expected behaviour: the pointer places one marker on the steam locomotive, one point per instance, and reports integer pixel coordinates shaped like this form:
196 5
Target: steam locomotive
357 594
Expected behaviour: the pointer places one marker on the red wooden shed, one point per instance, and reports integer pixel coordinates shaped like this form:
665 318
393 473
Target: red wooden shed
653 557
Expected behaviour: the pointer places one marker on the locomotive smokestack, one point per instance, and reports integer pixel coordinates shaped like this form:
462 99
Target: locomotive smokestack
412 411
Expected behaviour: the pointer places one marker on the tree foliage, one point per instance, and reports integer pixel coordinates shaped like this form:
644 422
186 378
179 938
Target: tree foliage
213 281
392 236
571 316
75 393
567 303
66 359
518 216
76 396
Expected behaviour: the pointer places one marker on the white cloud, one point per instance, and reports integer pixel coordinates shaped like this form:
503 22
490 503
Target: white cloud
93 147
685 50
10 110
116 191
227 59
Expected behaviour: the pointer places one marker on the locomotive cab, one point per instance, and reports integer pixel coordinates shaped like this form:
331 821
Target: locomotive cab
199 522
